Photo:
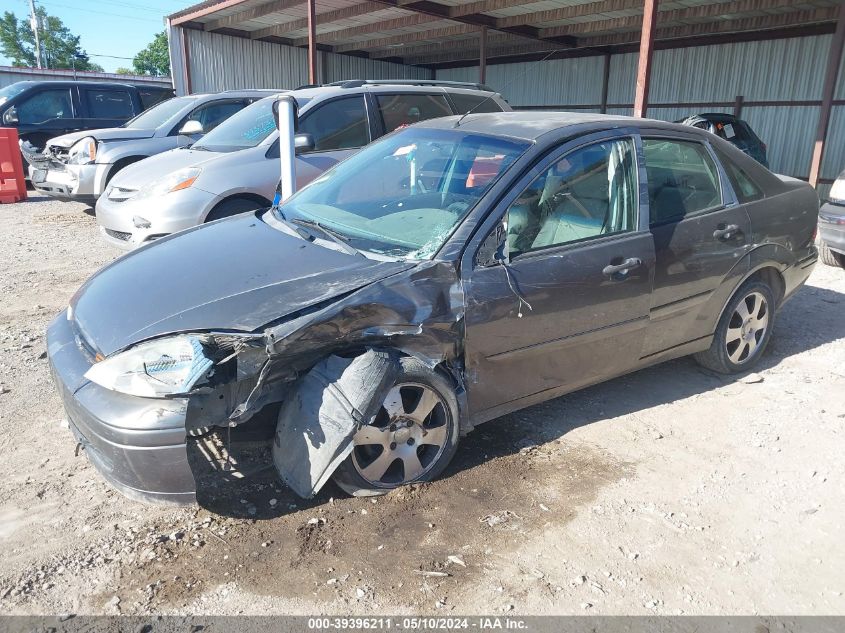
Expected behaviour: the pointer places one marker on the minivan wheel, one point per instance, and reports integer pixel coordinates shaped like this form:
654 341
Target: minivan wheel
231 207
743 332
831 258
412 438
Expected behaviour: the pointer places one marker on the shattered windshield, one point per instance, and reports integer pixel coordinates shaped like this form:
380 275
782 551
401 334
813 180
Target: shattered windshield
404 195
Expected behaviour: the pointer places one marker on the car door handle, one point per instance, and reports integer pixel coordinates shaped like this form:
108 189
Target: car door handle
623 268
726 232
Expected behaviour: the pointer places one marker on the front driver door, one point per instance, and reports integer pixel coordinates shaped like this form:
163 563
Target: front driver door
570 307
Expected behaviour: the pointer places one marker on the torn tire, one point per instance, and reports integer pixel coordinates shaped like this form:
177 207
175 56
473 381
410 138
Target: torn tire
324 411
412 437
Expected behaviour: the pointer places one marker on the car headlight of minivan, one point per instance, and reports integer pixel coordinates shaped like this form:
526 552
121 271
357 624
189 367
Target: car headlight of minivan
837 191
178 180
155 369
83 152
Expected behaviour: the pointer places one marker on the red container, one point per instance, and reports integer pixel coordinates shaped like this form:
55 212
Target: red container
12 183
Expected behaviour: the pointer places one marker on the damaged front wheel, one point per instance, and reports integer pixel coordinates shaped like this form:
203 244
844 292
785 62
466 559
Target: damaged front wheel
412 438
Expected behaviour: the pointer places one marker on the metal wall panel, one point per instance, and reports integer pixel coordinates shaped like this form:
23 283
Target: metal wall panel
833 161
575 81
222 62
773 70
339 67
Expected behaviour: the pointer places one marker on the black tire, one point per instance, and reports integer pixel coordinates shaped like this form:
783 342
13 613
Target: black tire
727 354
831 258
443 417
233 206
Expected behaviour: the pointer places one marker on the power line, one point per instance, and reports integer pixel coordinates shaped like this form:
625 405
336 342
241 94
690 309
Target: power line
115 15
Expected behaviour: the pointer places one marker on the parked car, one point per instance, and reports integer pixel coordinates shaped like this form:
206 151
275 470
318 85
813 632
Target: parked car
235 168
732 129
832 225
79 166
450 273
41 110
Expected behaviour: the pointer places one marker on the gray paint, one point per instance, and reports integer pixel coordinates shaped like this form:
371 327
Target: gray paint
252 287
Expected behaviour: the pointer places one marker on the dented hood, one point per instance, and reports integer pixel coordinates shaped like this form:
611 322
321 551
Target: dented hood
238 274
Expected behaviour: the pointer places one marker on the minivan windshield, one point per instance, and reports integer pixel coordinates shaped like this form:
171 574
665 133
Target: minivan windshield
242 130
12 90
404 195
160 113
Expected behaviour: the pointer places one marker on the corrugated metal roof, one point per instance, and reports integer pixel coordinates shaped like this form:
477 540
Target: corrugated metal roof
567 23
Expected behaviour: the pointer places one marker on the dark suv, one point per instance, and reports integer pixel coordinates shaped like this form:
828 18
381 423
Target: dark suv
41 110
734 130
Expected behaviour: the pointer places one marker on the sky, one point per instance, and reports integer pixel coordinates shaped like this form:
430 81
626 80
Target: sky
108 29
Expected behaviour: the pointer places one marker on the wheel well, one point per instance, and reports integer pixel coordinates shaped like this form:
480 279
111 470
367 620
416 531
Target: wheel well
123 162
772 277
251 197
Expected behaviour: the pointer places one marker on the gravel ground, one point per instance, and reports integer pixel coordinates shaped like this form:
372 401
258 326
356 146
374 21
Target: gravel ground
668 491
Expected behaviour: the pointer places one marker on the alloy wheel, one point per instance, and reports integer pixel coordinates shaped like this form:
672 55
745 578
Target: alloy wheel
406 438
747 328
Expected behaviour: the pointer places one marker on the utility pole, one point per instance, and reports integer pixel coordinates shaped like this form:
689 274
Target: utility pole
33 22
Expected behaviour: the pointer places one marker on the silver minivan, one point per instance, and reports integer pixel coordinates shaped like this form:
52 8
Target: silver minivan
78 166
235 168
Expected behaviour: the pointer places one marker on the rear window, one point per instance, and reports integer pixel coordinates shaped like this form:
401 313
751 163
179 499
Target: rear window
151 97
744 187
109 104
473 103
682 179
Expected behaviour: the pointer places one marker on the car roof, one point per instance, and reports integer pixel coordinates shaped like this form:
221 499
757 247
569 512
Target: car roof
531 125
93 84
354 87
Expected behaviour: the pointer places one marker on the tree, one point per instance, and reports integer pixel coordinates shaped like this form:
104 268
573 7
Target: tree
154 59
59 47
124 71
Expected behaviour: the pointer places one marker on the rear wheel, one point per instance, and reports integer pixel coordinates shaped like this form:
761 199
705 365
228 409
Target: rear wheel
831 258
412 438
233 206
743 332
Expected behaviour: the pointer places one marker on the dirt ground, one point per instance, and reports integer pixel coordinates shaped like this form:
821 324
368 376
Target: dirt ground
669 491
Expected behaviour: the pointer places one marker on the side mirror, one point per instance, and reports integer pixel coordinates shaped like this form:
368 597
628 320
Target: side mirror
303 142
10 117
191 128
494 249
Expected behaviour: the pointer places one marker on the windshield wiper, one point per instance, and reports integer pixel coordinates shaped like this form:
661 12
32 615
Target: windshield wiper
336 237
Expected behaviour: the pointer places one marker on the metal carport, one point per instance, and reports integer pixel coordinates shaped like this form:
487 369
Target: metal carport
778 63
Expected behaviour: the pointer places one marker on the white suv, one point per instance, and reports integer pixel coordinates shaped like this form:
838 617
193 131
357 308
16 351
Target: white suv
235 167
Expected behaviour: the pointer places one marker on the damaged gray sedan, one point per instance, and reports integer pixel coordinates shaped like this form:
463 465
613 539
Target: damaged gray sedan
448 274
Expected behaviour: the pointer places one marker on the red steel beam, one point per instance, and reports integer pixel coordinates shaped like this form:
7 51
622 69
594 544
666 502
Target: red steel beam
830 77
644 65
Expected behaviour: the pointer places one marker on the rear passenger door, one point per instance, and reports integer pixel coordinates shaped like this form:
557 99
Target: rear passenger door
700 233
106 107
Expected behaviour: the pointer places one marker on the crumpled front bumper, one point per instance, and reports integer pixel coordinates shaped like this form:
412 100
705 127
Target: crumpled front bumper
80 183
137 444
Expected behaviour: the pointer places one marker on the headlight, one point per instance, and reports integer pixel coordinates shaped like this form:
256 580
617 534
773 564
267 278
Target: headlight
176 181
82 152
837 191
154 369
